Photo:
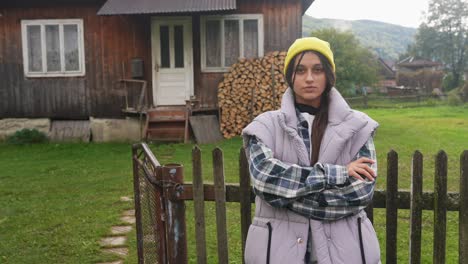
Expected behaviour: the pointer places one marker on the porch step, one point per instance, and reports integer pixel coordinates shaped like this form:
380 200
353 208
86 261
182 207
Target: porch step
167 123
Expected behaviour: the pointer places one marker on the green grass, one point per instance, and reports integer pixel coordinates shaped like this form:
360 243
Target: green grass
56 201
428 130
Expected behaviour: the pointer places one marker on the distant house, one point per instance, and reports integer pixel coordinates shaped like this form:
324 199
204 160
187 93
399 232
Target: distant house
65 59
420 73
387 73
412 64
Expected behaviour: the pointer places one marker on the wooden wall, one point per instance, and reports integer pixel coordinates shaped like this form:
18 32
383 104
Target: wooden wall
109 41
282 25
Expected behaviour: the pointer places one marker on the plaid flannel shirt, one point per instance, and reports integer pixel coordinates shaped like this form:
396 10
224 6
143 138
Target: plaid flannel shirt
321 192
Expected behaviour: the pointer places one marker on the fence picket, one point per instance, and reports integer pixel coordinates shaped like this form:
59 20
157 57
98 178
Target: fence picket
220 200
244 193
416 208
392 207
199 205
463 214
440 210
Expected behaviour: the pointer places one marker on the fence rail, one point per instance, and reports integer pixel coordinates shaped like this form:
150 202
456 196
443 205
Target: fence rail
366 101
169 193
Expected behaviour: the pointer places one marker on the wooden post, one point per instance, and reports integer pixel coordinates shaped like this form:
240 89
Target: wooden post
244 193
136 188
175 214
416 208
463 214
365 100
392 206
199 205
440 210
220 200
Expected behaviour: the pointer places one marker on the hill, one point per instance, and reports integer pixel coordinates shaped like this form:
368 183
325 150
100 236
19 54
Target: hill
387 40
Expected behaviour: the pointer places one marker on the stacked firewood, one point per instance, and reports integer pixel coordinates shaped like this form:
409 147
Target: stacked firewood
251 87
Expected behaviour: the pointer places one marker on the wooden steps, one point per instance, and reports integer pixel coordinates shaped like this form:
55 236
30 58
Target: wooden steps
167 123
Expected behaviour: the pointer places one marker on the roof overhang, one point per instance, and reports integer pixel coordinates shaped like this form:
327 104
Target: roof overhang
126 7
305 5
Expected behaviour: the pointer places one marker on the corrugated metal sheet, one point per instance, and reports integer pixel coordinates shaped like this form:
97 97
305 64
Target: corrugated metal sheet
121 7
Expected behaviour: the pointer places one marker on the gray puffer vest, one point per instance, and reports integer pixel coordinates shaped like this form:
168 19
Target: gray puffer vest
278 235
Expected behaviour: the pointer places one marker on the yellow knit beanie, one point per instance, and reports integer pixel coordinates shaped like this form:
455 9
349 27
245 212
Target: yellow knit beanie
309 43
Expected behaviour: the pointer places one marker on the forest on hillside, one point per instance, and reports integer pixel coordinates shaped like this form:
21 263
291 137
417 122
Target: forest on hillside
388 41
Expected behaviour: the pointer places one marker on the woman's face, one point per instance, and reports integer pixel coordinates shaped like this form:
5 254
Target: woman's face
310 80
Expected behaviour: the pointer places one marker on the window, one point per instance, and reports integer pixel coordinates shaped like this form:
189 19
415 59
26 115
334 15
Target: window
224 39
53 48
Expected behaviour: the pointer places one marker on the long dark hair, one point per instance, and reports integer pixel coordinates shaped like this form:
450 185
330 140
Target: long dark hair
321 118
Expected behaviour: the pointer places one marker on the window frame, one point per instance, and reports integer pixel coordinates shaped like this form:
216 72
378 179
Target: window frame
221 18
60 23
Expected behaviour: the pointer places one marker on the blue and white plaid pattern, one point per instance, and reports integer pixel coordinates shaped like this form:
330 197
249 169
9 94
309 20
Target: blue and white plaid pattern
321 192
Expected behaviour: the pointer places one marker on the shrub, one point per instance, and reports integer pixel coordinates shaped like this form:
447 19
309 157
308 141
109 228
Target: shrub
27 136
431 102
454 99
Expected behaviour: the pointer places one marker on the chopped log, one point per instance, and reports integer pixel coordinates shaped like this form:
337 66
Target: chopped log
251 87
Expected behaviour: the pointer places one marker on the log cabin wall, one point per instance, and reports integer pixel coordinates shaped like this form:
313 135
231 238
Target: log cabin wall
282 25
109 41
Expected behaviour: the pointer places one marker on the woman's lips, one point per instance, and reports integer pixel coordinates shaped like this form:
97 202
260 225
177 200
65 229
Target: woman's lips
310 88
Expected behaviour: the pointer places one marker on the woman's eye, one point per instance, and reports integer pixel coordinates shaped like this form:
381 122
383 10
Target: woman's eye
317 70
300 70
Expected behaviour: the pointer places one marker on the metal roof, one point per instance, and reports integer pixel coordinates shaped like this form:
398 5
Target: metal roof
418 62
121 7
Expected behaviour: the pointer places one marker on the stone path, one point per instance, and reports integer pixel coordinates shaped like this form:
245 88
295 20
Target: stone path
115 241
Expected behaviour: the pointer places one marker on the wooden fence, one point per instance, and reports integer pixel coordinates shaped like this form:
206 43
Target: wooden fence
367 101
160 211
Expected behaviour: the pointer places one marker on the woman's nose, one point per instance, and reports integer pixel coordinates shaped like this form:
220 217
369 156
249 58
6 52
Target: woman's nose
310 76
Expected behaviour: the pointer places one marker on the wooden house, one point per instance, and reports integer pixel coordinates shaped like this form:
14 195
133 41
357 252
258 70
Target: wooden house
413 64
387 74
420 73
66 59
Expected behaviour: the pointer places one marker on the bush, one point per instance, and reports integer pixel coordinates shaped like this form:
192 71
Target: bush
454 99
432 102
27 136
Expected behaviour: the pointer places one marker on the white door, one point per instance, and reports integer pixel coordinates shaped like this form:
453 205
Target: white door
171 44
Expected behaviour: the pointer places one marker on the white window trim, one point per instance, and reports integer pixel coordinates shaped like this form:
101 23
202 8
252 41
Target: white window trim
60 22
240 18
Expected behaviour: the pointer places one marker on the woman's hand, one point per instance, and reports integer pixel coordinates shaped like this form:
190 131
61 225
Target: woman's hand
360 167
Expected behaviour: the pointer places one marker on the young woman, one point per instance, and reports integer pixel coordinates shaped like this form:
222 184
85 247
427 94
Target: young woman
313 168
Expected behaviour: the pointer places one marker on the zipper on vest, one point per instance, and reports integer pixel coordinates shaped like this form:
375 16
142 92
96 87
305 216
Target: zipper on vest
270 229
360 241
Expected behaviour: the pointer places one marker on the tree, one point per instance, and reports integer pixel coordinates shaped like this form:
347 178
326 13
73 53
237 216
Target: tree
356 66
425 46
444 37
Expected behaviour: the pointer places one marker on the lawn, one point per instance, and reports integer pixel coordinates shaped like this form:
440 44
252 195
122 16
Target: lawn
57 200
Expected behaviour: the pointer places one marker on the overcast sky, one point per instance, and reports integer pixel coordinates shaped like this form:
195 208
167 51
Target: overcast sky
407 13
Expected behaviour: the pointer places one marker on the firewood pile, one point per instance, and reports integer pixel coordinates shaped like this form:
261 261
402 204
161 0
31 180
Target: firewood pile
251 87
